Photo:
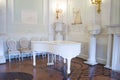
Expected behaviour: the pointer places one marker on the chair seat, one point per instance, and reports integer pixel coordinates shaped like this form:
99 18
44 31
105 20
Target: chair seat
14 52
25 50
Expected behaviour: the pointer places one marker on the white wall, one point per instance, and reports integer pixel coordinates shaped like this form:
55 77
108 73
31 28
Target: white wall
2 16
80 33
18 22
14 26
115 12
45 10
89 16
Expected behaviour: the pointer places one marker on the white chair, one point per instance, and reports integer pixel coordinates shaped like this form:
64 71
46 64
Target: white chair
24 48
12 49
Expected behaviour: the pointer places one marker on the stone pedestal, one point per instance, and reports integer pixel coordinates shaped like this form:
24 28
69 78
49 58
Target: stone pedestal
94 30
59 31
109 51
92 51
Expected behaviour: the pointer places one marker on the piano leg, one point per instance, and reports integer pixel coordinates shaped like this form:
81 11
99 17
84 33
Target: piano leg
65 60
50 60
68 66
54 56
34 59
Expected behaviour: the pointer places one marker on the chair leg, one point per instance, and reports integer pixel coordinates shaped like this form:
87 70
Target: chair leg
54 57
59 57
9 59
31 56
44 55
19 57
22 56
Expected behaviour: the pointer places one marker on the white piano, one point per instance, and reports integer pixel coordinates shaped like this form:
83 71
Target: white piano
66 49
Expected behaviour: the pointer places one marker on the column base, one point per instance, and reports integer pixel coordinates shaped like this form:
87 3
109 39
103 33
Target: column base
50 64
90 62
2 60
106 66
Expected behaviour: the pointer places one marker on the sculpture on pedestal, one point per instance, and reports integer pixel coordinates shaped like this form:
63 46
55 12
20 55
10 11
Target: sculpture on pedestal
59 31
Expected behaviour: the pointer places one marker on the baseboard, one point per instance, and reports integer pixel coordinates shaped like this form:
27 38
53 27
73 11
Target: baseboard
83 56
99 60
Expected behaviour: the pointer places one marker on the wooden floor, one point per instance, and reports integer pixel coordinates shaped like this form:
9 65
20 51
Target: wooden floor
24 70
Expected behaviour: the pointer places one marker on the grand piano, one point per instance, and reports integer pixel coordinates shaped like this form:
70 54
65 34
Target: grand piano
66 49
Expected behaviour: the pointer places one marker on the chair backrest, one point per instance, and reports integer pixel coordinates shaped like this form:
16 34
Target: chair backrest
24 42
11 43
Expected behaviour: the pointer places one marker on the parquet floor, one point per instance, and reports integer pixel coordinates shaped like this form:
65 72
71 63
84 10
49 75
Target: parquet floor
24 70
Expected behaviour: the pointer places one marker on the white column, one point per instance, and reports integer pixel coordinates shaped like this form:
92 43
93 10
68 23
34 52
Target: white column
92 52
3 27
116 53
109 51
2 56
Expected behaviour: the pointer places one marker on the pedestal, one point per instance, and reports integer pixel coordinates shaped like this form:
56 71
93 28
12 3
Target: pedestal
59 31
92 51
109 52
59 36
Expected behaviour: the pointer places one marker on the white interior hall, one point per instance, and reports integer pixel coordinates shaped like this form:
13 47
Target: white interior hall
65 20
